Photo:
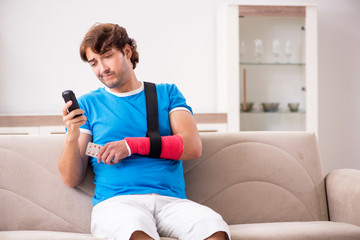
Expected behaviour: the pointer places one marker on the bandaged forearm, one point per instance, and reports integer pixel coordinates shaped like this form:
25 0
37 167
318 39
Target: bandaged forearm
172 146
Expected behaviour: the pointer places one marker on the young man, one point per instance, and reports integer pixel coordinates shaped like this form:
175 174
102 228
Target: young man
136 196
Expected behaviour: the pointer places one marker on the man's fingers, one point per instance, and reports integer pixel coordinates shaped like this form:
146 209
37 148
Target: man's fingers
111 153
66 107
109 159
117 158
101 153
107 156
75 112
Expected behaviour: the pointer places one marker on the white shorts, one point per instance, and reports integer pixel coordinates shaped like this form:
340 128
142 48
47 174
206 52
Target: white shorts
118 217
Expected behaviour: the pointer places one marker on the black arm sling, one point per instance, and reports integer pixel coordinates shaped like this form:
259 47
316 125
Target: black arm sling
152 116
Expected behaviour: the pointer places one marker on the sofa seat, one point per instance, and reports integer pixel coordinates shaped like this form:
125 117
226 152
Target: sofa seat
45 235
319 230
48 235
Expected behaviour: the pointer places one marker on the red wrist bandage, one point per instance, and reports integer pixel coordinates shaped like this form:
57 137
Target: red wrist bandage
172 146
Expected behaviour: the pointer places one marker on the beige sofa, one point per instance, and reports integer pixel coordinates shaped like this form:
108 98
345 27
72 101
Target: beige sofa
266 185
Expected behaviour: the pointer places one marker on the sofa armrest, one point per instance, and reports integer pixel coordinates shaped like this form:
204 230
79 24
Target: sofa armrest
343 194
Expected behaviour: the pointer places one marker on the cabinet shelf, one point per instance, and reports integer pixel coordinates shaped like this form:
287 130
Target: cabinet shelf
272 64
277 112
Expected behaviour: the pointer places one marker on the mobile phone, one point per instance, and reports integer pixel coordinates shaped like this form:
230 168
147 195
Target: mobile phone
70 95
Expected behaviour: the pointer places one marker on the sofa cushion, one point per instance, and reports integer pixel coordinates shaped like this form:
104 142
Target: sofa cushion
45 235
32 194
316 230
253 177
49 235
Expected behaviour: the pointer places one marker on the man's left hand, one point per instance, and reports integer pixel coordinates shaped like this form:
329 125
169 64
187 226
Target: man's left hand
113 152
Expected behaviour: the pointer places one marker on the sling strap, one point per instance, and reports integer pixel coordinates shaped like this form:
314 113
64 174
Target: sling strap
152 116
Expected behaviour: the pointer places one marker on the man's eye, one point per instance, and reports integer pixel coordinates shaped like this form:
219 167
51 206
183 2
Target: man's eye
108 55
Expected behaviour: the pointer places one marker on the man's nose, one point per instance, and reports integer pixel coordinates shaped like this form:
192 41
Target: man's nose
103 67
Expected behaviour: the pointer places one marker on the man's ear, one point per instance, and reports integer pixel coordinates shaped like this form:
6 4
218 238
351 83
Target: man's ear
127 51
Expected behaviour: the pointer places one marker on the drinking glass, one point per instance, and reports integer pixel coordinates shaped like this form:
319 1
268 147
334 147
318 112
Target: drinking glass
288 49
258 49
276 49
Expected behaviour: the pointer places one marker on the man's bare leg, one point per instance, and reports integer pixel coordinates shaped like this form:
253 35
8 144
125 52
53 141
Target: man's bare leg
140 235
218 236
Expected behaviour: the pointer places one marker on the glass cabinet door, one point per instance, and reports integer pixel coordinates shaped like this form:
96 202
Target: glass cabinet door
272 68
267 66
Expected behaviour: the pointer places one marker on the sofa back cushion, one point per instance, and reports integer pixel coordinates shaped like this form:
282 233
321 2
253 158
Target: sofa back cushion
247 177
32 194
252 177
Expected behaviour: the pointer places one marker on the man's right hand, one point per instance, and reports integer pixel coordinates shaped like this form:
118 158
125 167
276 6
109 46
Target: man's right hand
73 124
73 161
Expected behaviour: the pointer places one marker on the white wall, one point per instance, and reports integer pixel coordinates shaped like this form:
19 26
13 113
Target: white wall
339 83
39 42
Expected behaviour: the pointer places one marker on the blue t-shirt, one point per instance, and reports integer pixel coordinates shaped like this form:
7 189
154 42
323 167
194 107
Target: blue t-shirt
114 116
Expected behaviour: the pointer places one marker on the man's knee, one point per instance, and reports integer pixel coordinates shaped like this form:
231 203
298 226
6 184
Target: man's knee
218 236
140 235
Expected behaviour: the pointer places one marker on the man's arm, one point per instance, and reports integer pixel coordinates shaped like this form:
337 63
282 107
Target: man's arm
183 124
73 161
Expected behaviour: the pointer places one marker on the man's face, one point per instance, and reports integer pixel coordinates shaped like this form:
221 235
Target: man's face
112 67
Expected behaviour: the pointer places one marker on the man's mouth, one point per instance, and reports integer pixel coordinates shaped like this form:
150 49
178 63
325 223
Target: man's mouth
106 76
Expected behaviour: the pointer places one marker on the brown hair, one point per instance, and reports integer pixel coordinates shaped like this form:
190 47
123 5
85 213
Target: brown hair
103 36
